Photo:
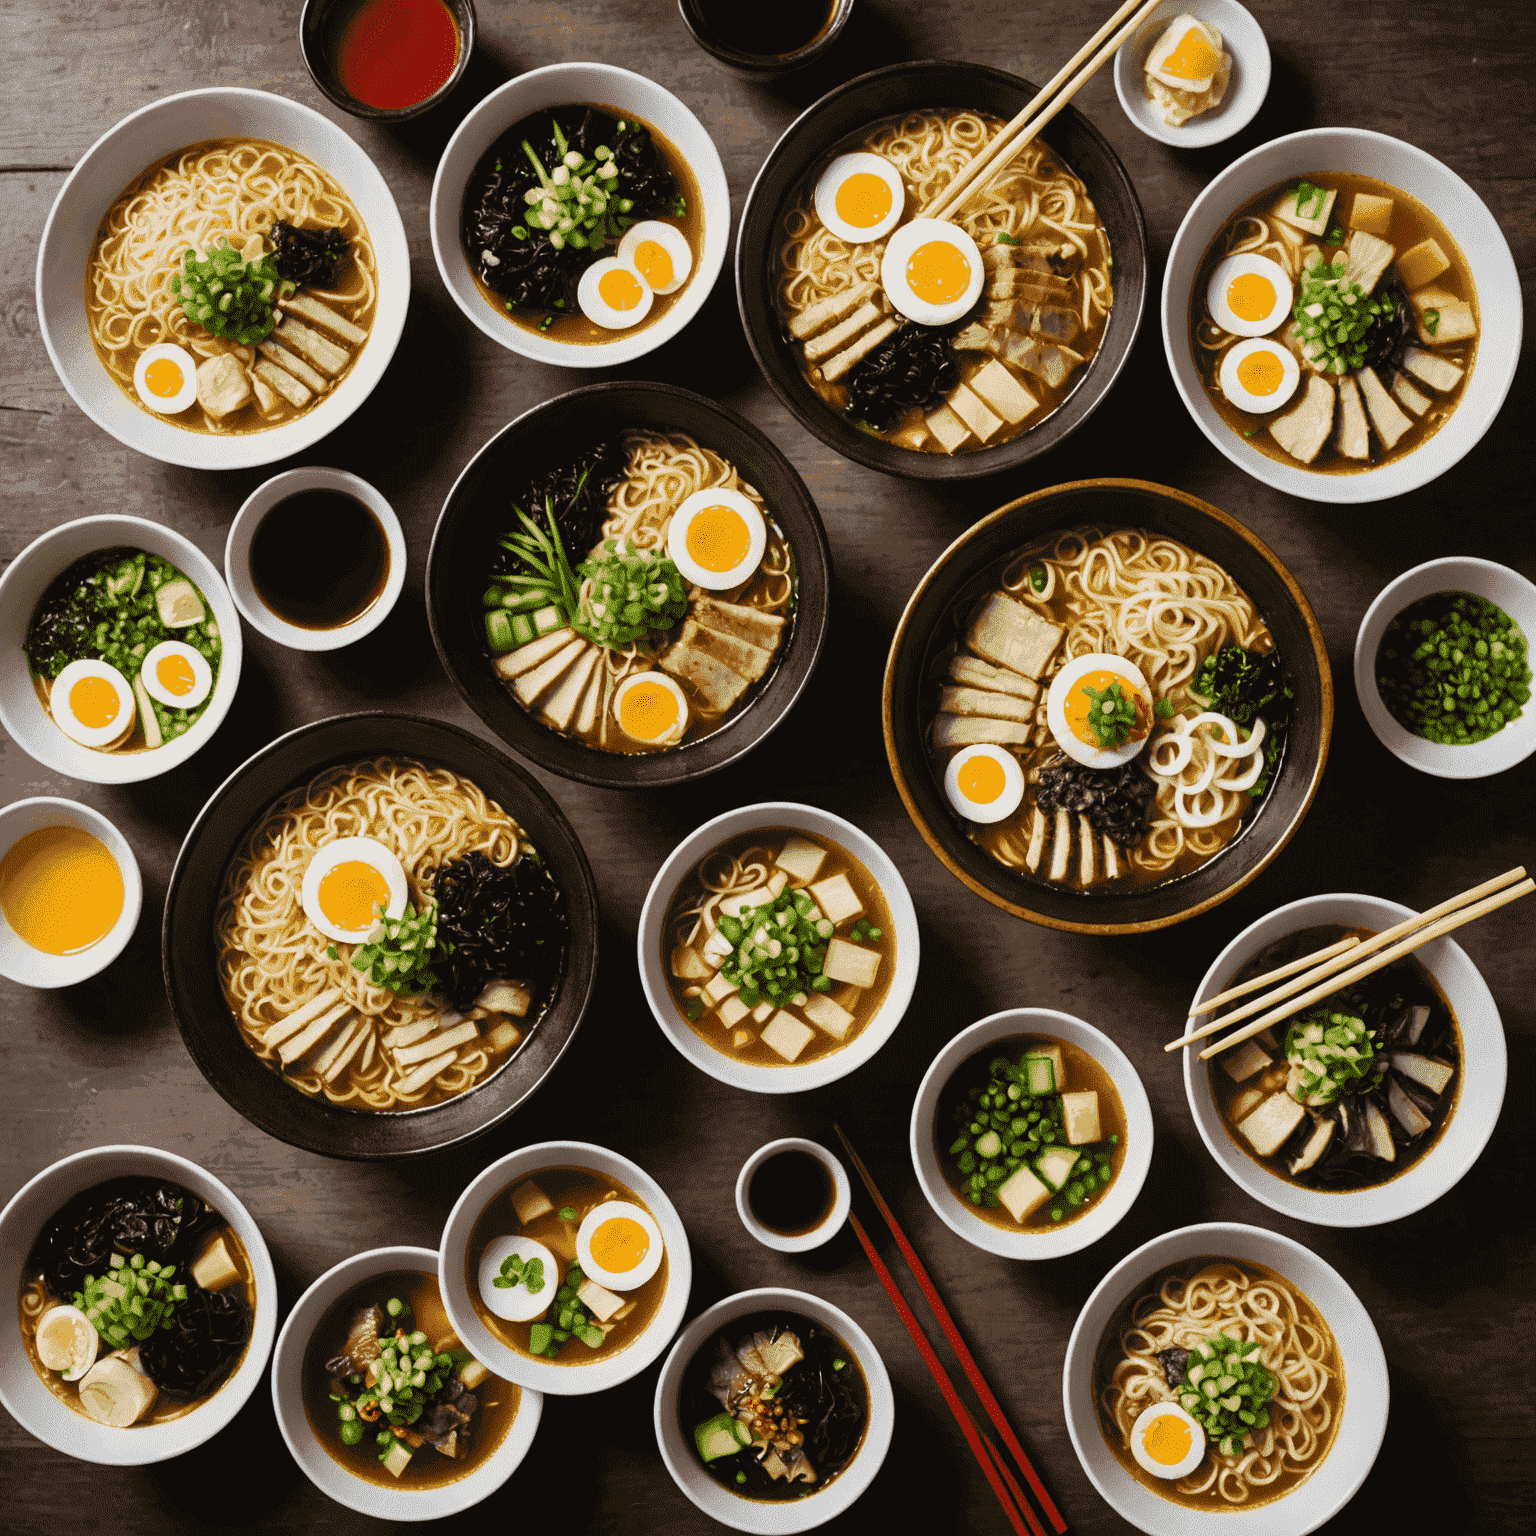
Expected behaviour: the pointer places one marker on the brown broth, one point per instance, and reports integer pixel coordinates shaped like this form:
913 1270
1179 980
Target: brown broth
319 559
791 1193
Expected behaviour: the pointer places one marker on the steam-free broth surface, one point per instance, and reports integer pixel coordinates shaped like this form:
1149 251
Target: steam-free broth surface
320 559
791 1193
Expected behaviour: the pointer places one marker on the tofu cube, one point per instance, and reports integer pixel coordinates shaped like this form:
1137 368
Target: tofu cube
948 428
1054 1166
689 965
215 1268
837 898
762 1013
1037 1080
851 963
732 905
732 1012
983 421
598 1300
777 881
801 858
1271 1123
1080 1117
828 1015
1371 213
530 1202
222 386
787 1035
1422 263
717 989
1022 1194
1001 390
1248 1058
1442 317
1312 214
471 1373
717 950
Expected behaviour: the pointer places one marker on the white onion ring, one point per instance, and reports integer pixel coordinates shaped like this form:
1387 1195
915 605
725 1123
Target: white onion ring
1247 778
1189 817
1182 746
1228 729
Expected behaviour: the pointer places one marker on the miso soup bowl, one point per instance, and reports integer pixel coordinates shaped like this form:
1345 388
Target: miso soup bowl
791 1077
1103 1214
31 1404
1478 1086
602 1370
751 1515
1335 1480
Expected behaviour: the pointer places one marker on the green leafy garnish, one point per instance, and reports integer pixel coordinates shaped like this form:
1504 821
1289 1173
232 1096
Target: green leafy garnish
567 1213
229 296
1245 685
1334 1055
515 1272
1334 316
632 595
1309 200
1004 238
1037 578
1432 321
1163 709
1111 715
1225 1390
398 954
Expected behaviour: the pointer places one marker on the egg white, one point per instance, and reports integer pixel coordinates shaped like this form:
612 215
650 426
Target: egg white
653 678
1070 677
682 520
344 850
1232 385
1005 804
517 1304
836 174
668 236
99 737
1168 44
597 309
202 675
1138 1442
629 1280
1237 266
169 405
85 1342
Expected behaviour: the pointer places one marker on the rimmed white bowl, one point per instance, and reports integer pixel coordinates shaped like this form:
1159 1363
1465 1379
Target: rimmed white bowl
603 1370
1479 1083
1033 1242
1241 36
559 85
1459 208
122 153
826 1229
237 558
402 1502
33 967
21 589
1363 1424
752 1515
1455 573
33 1406
792 1077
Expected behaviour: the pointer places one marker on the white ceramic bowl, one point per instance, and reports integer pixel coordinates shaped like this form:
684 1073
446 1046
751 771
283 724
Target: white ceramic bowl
558 85
237 558
1458 207
763 1518
604 1370
32 967
1366 1392
33 1406
22 588
793 1077
801 1242
1511 592
123 152
1033 1242
1479 1085
1241 36
403 1502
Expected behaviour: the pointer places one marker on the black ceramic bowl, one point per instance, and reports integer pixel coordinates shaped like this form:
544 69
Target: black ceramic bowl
961 572
840 122
478 508
763 66
319 24
190 959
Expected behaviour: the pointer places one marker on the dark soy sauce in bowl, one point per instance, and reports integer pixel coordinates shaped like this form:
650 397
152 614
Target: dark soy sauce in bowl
771 31
791 1193
319 559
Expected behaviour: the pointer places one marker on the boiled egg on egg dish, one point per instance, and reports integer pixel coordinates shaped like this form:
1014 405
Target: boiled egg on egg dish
860 198
1166 1441
1100 682
619 1245
1186 56
346 884
984 784
67 1341
613 294
92 704
1259 375
651 707
931 271
717 538
659 253
1248 295
176 675
166 378
518 1302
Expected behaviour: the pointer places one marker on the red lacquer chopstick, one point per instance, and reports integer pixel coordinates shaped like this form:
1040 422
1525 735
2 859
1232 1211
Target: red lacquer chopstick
945 1386
956 1343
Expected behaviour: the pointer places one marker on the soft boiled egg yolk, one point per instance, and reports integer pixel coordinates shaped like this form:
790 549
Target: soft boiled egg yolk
1166 1441
1186 56
176 675
659 253
650 707
517 1302
1248 295
347 882
931 271
67 1341
1259 375
716 538
1086 684
984 784
619 1245
92 704
165 378
613 294
860 197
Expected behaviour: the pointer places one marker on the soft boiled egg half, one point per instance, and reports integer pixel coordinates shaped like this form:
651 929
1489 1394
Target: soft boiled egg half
619 1245
176 675
659 253
1259 375
346 884
860 197
1089 683
92 704
651 707
1186 56
1248 295
931 271
517 1303
717 538
67 1341
613 294
165 377
984 784
1166 1441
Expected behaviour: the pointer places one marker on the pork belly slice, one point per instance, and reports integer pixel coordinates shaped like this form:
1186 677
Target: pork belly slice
1008 634
1304 429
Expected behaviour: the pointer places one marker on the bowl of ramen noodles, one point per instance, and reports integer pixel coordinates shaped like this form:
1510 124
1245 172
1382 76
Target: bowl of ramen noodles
223 279
630 585
146 1306
1107 706
580 215
939 349
1222 1374
1368 1105
120 649
778 947
380 936
1342 315
1031 1134
565 1268
381 1404
774 1411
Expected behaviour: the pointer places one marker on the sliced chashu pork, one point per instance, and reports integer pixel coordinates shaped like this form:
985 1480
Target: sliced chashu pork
741 656
1353 436
1008 634
1304 429
980 701
1386 417
741 620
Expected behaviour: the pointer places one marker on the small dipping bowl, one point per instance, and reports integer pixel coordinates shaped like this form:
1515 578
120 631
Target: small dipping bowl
764 66
831 1221
34 967
319 25
242 533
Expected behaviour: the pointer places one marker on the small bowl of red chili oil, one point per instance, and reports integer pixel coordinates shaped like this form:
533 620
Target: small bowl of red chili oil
387 59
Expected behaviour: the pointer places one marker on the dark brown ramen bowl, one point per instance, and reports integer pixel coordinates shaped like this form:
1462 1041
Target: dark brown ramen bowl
478 507
838 123
190 958
1109 504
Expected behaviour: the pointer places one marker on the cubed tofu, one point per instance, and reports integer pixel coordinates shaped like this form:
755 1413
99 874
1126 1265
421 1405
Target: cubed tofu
717 950
826 1014
222 386
717 989
1268 1127
1442 317
999 389
1250 1057
801 859
1371 213
471 1373
530 1202
598 1300
1051 1053
1422 263
1022 1194
912 436
787 1035
1080 1117
851 963
1312 213
688 964
1054 1166
979 417
762 1013
732 1011
837 898
214 1268
947 428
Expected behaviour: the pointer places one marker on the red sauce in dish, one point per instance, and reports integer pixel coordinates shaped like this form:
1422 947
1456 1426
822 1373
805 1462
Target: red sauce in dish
395 53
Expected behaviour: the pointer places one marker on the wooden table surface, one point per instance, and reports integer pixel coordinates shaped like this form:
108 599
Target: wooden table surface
1451 1290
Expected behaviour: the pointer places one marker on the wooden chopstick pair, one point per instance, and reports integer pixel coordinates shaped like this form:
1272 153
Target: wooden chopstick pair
1003 1483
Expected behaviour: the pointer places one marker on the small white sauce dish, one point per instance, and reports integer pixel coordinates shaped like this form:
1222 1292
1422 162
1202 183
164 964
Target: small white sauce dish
824 1230
1507 589
237 558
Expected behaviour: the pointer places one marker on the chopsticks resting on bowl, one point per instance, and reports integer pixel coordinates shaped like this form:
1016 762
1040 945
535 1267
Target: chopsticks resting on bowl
952 1334
1018 132
1279 973
1373 955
